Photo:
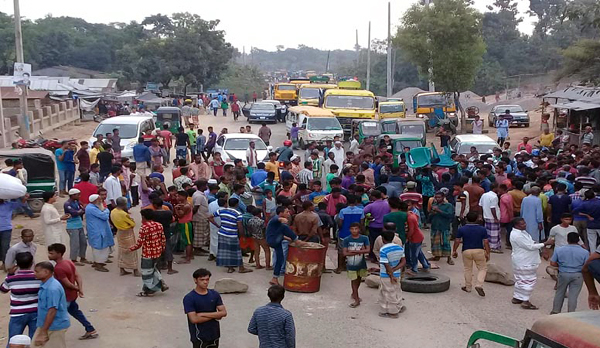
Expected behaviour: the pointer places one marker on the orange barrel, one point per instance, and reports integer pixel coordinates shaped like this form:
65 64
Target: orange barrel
304 267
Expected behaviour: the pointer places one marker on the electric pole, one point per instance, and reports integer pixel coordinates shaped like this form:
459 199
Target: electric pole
389 52
24 116
369 58
430 70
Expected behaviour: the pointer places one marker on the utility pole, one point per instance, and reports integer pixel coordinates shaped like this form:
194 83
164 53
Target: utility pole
24 116
244 55
369 59
430 70
327 65
389 52
357 48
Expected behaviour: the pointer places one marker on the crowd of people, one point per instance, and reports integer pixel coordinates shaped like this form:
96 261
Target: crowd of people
355 198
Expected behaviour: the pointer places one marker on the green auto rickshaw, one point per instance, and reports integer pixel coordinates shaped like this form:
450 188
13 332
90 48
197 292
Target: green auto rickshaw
41 172
389 126
399 143
365 129
168 115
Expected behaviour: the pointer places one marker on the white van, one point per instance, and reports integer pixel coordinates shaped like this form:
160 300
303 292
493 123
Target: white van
316 124
130 128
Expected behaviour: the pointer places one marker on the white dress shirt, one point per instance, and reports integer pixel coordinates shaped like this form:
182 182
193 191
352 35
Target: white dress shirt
113 189
525 252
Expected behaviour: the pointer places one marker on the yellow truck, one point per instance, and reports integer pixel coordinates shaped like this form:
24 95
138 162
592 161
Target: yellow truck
285 93
424 104
311 93
350 104
391 109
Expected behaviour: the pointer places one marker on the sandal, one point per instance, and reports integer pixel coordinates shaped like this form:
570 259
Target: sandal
245 270
354 304
89 335
464 288
451 262
144 294
516 301
528 305
230 270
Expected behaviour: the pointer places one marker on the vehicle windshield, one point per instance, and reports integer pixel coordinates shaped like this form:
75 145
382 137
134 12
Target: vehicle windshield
323 123
243 144
126 131
370 128
412 129
432 100
513 109
390 108
350 102
481 148
388 127
310 93
167 116
286 88
401 144
263 106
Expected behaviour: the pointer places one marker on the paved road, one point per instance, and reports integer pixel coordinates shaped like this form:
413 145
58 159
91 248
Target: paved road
323 319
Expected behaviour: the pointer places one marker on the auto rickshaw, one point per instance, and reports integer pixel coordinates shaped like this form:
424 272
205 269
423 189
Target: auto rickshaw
399 142
41 172
365 129
389 126
574 330
168 115
414 127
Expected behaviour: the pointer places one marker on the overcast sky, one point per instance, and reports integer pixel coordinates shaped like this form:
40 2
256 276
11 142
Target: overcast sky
324 24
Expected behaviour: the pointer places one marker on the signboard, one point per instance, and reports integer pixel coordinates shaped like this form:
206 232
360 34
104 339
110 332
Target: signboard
22 74
152 86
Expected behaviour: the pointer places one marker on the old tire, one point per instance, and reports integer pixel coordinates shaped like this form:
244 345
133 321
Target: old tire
426 283
36 205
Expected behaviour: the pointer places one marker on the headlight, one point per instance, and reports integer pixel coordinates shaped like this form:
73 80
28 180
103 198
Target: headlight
421 116
310 135
451 114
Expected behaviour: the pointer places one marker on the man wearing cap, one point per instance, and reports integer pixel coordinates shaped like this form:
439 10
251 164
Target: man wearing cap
99 232
338 152
285 152
77 238
19 341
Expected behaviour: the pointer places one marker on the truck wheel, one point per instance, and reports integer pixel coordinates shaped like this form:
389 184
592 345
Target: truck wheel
426 283
36 205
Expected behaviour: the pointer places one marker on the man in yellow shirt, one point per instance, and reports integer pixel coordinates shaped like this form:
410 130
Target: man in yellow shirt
273 165
95 151
546 138
126 238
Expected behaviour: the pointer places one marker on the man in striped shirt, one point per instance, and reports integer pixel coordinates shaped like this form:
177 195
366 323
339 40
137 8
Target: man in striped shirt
229 253
585 179
23 288
273 324
391 261
305 176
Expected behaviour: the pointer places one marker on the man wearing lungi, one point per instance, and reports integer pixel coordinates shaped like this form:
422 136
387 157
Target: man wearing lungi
525 262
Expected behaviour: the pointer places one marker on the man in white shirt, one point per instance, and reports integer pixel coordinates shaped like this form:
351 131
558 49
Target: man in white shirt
113 187
251 157
339 153
354 145
491 214
525 262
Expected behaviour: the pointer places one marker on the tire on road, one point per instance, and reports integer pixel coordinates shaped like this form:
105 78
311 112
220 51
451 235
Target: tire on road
426 283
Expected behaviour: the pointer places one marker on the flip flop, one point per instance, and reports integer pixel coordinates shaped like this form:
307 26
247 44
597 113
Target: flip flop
246 270
144 294
230 270
480 291
451 262
464 288
354 304
516 301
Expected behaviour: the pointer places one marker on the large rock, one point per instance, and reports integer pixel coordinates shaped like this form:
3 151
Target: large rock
230 286
372 281
495 274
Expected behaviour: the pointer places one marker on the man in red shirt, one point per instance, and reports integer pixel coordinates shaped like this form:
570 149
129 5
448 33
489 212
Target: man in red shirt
167 136
152 241
414 239
66 273
525 146
87 189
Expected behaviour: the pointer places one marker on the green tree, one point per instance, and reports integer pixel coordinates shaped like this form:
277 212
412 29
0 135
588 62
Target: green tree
242 79
446 37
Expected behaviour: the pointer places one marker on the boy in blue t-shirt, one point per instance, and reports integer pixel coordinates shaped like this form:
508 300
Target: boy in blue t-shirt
391 261
355 247
318 194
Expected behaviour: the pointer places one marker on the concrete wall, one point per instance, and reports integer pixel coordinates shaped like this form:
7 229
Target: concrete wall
44 119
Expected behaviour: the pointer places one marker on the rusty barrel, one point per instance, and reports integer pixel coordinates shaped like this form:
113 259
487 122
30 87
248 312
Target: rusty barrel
304 267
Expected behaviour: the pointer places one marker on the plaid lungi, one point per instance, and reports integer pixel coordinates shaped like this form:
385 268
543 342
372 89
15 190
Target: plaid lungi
151 277
390 296
440 243
201 233
229 253
525 279
493 232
